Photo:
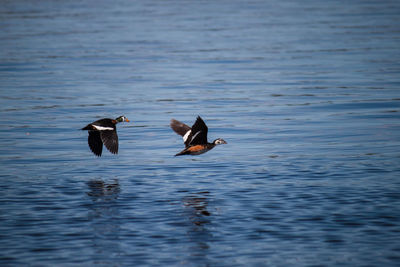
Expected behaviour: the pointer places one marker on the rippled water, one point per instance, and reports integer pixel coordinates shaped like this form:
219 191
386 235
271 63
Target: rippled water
305 92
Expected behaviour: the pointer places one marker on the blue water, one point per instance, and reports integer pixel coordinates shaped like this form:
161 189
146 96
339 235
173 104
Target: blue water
306 93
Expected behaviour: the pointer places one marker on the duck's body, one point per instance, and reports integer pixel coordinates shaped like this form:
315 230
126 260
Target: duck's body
196 149
195 138
103 131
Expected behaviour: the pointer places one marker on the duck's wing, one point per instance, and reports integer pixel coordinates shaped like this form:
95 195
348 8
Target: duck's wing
110 140
181 129
95 143
198 134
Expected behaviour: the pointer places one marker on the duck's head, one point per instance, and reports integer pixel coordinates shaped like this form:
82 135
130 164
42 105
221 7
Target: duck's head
122 119
219 141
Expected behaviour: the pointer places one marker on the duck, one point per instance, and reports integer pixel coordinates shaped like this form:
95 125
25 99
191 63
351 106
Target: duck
104 131
195 138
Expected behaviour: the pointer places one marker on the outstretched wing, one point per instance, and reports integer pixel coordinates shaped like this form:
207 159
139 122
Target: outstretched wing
95 143
198 135
110 140
181 129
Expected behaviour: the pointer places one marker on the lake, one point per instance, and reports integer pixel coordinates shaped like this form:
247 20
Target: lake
306 93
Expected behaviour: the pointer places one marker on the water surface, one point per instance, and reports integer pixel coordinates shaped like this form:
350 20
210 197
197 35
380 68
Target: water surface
305 93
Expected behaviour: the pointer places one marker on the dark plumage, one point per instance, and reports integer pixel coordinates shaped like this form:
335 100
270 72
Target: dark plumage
195 138
101 132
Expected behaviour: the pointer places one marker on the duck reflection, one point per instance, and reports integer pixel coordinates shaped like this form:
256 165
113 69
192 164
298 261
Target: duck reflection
196 210
196 207
104 214
101 190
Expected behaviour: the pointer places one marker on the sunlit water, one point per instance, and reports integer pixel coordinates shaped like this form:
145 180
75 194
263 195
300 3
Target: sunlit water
306 93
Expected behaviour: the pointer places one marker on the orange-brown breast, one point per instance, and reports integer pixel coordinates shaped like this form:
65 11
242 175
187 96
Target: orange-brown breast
196 148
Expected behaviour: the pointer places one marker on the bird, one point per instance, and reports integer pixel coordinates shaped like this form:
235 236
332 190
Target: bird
104 131
195 138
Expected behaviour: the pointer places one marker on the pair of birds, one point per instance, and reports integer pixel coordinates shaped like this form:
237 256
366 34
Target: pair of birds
104 131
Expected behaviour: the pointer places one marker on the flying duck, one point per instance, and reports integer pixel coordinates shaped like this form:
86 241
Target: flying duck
104 131
195 138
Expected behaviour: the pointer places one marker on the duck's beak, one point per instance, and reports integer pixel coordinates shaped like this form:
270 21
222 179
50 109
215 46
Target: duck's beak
127 120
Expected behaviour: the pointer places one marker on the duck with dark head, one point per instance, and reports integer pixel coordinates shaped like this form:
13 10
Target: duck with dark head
104 131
